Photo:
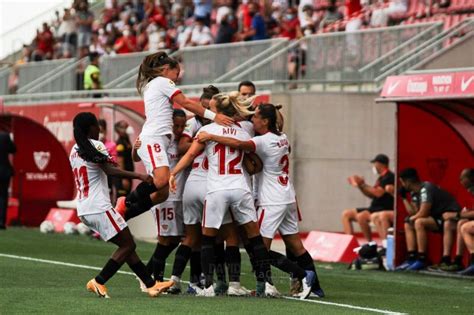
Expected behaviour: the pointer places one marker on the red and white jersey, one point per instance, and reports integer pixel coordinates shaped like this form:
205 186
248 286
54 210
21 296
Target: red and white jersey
225 164
91 183
173 158
248 127
158 97
200 163
274 185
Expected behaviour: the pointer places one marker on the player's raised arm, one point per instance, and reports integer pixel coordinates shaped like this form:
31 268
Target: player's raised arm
197 109
248 145
184 162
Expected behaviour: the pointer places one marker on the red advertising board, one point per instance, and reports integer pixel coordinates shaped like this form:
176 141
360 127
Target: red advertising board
450 84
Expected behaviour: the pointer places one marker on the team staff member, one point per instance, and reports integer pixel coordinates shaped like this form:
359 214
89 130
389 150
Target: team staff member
464 221
92 73
7 147
428 205
124 157
247 89
382 200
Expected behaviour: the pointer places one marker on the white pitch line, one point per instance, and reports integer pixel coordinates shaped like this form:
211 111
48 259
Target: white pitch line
369 309
61 263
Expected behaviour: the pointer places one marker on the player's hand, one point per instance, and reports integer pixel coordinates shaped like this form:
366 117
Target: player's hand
203 137
223 120
172 183
351 181
137 144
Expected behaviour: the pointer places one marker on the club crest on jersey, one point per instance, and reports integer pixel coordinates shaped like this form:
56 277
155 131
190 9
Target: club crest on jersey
171 83
41 159
164 227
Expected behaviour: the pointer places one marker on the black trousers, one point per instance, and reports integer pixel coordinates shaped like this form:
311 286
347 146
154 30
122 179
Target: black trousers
4 184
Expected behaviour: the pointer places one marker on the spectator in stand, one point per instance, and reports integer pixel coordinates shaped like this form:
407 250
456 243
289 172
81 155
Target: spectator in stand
429 204
462 221
331 15
307 19
7 147
96 45
45 42
200 34
156 38
257 30
67 31
353 7
227 29
381 14
84 19
92 73
202 10
290 25
156 14
111 10
127 43
382 200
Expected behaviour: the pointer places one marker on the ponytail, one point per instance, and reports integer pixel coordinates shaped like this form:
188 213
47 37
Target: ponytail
231 104
270 112
82 123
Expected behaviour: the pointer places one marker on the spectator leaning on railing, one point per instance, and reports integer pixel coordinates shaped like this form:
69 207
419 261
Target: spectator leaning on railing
429 205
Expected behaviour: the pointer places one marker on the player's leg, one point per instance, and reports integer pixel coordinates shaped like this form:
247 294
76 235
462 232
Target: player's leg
457 265
348 216
422 226
363 218
386 218
467 231
410 238
375 219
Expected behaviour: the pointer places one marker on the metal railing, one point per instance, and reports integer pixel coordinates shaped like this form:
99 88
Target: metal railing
4 74
113 67
32 73
66 79
414 58
207 63
339 56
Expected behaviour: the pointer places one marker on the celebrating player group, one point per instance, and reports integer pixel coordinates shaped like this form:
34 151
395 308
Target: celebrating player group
213 182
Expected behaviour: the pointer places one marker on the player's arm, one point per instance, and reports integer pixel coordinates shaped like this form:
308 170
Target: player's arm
184 144
252 163
371 192
248 145
136 146
425 209
112 170
184 162
197 109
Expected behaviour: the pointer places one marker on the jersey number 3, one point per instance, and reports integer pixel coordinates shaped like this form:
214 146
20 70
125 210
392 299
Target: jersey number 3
83 187
285 165
220 149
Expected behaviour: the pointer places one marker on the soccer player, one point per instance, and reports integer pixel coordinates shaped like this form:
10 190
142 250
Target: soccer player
91 164
169 214
277 207
193 203
156 82
228 187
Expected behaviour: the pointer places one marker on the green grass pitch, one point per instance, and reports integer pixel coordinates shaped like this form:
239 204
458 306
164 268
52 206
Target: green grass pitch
41 287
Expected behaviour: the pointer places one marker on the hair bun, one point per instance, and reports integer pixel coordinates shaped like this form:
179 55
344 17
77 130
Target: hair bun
278 106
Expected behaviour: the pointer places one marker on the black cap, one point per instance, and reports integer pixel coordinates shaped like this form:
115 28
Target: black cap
381 158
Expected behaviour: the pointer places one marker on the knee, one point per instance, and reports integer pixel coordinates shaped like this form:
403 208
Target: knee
449 225
464 229
362 218
375 217
419 225
346 215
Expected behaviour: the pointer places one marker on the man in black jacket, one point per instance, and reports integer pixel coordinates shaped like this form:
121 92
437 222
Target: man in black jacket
7 147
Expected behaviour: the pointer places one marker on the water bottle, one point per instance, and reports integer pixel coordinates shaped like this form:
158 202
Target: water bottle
390 253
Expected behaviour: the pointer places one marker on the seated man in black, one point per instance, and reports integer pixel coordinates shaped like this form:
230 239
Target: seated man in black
382 200
426 209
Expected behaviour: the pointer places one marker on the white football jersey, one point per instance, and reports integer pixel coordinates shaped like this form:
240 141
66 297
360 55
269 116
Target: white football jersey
274 184
200 163
91 183
173 158
158 97
225 164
